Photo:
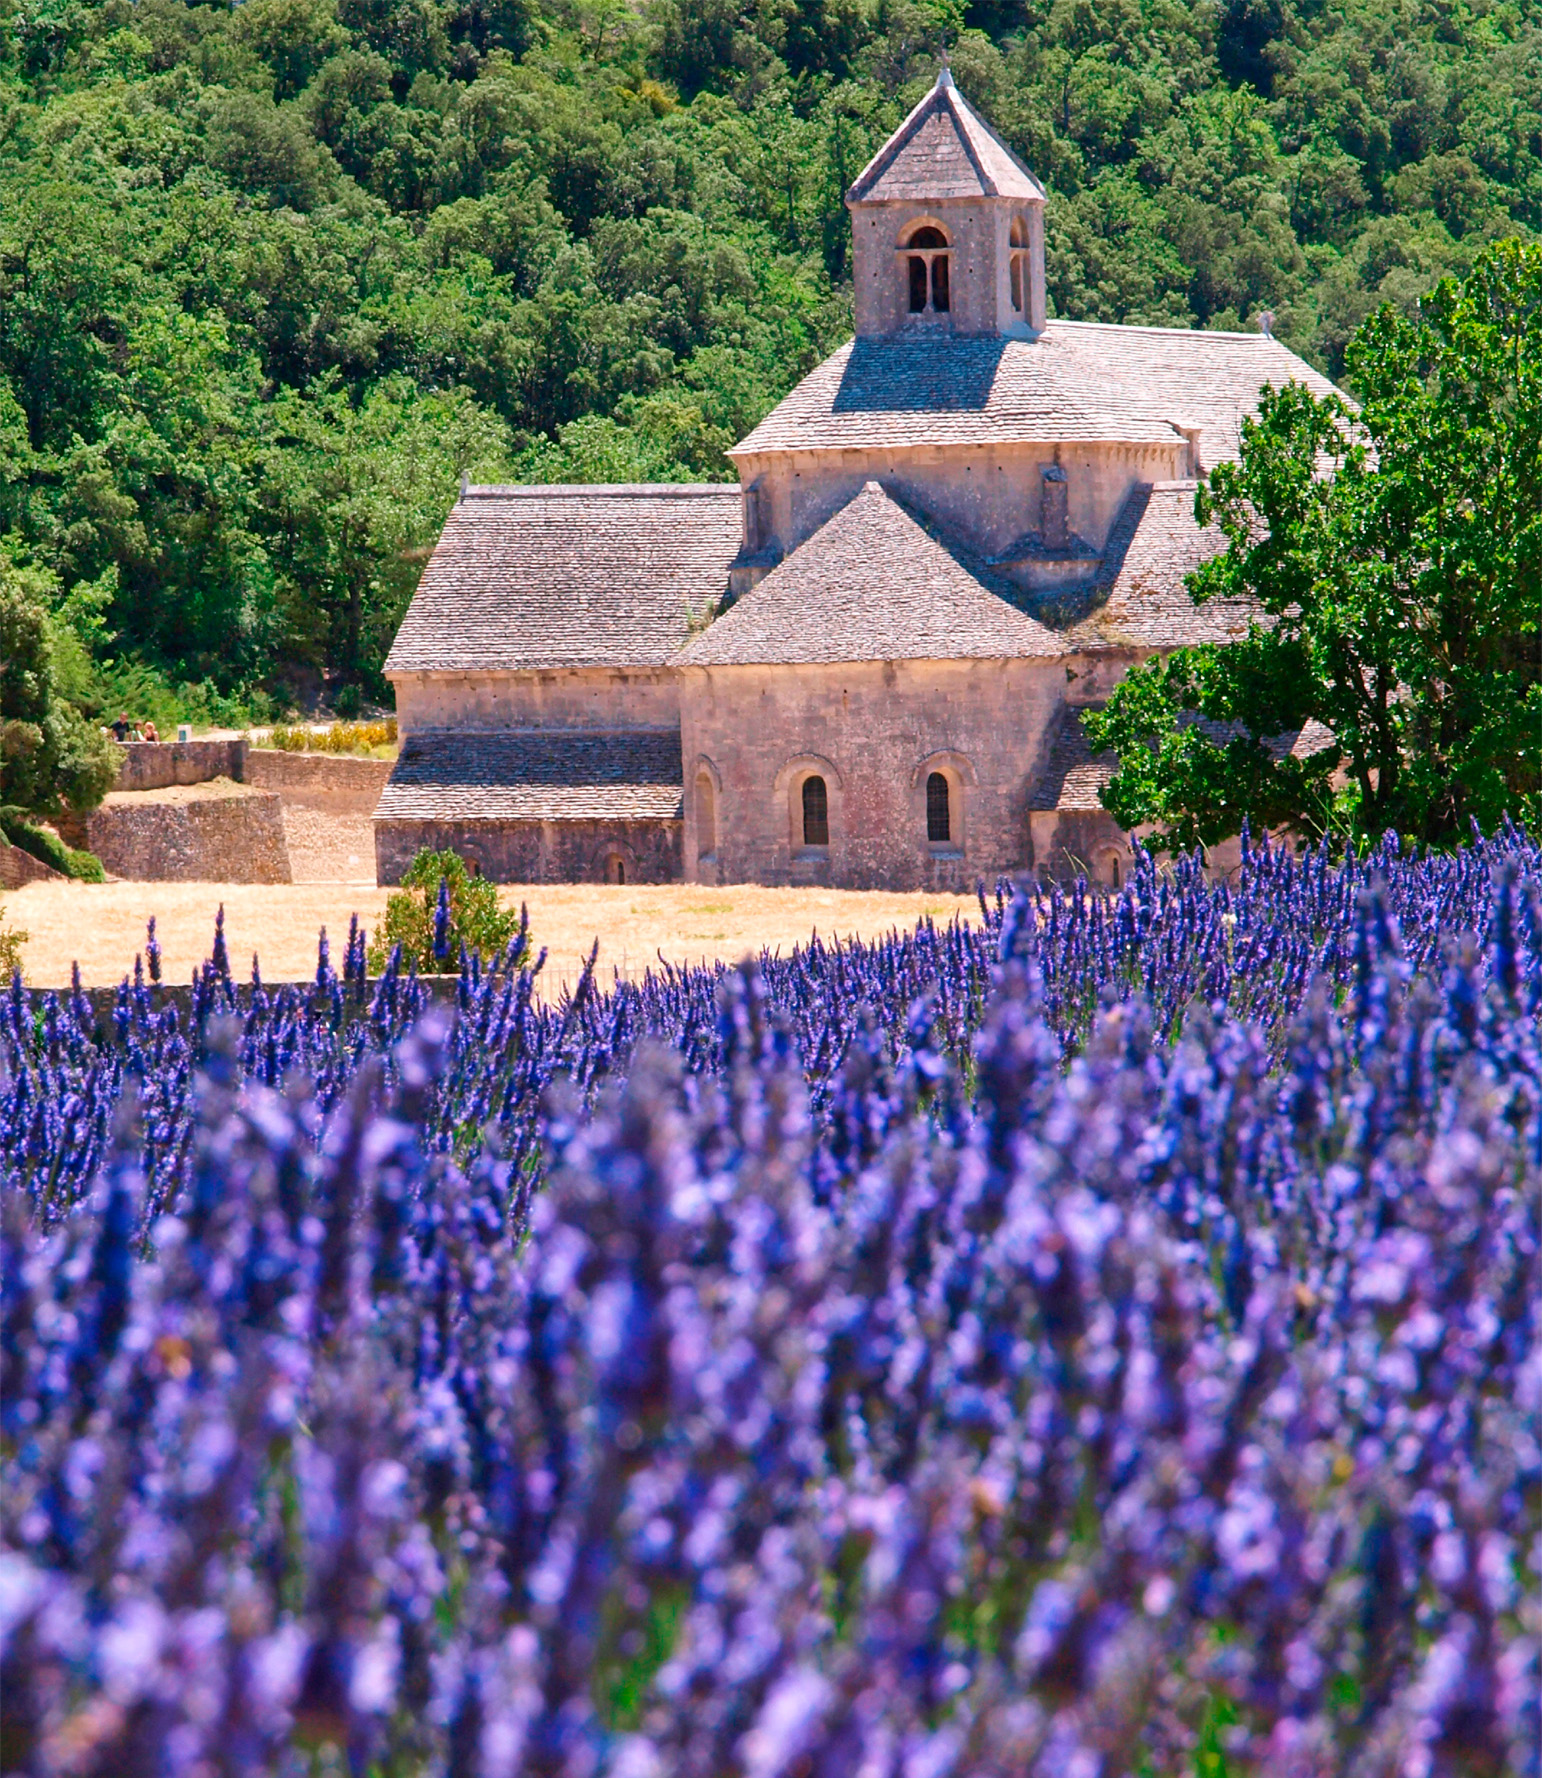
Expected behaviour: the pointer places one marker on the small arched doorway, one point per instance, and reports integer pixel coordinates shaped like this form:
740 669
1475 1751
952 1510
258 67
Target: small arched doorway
615 868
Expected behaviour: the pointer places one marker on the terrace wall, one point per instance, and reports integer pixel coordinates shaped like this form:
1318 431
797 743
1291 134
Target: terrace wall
537 851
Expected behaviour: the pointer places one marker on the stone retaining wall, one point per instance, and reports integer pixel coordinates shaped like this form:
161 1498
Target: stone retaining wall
234 837
157 765
18 868
331 782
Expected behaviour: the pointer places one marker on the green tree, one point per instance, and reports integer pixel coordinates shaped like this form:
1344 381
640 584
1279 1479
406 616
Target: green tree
51 758
1394 555
353 501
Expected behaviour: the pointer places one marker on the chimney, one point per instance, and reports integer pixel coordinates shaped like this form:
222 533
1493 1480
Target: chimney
465 483
1266 323
1052 509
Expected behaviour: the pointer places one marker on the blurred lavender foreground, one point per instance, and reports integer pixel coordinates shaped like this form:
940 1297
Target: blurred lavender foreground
1101 1342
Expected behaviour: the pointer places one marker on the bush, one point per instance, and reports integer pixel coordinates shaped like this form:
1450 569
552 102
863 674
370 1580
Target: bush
44 844
440 909
342 737
11 941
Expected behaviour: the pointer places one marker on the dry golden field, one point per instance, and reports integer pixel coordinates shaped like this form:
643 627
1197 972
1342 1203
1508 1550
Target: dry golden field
102 925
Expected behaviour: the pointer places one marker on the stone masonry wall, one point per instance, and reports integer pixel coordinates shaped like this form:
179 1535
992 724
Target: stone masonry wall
332 783
18 868
987 497
234 834
874 732
536 851
156 765
577 697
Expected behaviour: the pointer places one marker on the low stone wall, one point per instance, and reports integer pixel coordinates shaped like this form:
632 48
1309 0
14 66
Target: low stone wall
18 868
233 834
157 765
331 782
537 851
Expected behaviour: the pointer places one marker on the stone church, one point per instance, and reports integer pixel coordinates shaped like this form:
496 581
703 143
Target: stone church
863 665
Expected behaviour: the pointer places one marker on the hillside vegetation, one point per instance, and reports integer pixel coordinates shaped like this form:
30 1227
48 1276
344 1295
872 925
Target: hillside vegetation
273 276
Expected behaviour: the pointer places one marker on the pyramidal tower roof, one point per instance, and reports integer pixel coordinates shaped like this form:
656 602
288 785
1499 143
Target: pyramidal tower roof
944 150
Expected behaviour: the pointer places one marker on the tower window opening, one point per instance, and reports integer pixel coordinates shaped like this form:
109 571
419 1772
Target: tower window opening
939 822
917 286
816 812
1018 263
926 271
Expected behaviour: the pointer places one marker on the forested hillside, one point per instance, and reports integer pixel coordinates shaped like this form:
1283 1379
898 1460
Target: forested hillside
272 276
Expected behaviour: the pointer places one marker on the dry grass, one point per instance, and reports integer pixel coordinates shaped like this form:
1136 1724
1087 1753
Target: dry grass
102 925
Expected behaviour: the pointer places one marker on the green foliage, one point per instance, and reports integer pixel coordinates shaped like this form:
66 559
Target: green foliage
1401 594
273 275
476 921
51 757
12 938
45 845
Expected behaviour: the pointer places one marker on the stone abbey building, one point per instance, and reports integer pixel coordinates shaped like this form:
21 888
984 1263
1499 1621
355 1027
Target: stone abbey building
863 665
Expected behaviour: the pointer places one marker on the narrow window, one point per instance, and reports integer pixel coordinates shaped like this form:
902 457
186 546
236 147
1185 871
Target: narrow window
706 817
939 825
816 813
917 286
1017 282
940 284
615 868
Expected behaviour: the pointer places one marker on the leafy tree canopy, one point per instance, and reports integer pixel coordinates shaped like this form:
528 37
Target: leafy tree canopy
273 275
1395 556
51 758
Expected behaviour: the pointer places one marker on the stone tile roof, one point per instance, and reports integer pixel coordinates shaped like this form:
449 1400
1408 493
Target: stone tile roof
872 584
944 150
569 577
1140 600
1072 774
536 775
1078 382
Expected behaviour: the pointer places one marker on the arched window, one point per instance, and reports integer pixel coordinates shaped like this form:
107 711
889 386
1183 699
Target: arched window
706 816
615 868
816 812
926 270
1019 262
939 817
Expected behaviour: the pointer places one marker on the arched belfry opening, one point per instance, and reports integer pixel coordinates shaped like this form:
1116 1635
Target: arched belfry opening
947 223
926 251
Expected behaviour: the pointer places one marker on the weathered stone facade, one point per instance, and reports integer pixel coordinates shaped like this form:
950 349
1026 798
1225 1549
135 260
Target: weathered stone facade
865 665
538 851
157 765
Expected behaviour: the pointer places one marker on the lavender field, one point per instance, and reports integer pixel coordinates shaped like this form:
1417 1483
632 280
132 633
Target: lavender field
1099 1341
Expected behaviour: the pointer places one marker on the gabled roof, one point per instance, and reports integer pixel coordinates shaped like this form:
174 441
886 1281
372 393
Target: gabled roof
536 775
944 150
872 584
605 576
1078 382
1141 600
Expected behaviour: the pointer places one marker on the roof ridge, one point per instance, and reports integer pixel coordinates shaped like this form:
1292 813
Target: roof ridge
599 490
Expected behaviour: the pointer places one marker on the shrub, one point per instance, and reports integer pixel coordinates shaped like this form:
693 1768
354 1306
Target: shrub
44 844
11 941
342 737
440 909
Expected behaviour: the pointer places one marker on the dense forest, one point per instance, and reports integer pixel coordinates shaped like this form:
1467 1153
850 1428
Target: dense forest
273 275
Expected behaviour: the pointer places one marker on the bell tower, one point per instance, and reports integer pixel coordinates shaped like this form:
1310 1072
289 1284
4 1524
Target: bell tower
947 230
